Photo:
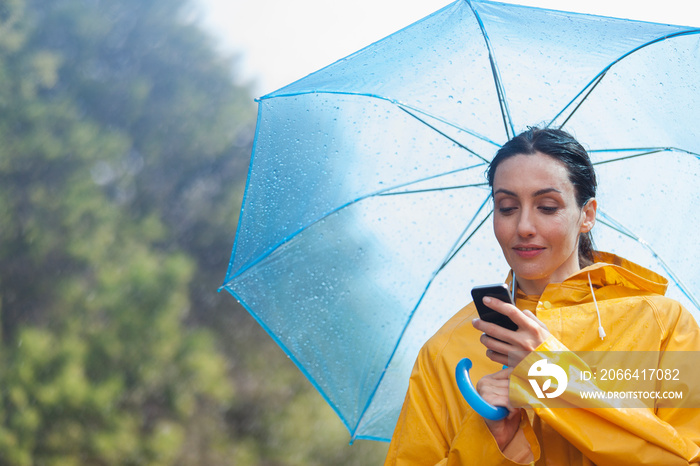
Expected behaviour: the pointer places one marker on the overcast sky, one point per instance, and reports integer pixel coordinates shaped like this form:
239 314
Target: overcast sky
280 41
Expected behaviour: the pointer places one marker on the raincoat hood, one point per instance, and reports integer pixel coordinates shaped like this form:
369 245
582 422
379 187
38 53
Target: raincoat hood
610 269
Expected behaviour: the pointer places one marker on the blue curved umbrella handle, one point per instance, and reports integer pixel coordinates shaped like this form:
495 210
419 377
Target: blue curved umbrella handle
489 411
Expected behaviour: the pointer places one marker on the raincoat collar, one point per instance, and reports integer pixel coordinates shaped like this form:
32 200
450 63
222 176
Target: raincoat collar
608 270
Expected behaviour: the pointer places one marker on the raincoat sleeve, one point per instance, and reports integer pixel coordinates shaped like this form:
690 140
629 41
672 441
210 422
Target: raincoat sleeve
667 434
427 432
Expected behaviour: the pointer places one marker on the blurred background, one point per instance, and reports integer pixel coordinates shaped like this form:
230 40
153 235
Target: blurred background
125 142
126 131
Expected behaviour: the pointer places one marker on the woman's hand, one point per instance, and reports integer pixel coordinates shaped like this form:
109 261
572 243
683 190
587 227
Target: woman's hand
506 347
493 388
502 343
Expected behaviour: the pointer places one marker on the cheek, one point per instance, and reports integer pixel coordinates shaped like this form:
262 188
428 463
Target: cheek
564 231
501 230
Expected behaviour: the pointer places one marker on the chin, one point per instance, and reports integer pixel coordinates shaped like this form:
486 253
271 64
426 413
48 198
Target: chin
529 272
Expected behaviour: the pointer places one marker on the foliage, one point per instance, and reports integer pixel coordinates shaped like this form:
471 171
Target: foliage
125 144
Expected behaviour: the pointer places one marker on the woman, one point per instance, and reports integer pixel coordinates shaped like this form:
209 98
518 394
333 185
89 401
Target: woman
568 298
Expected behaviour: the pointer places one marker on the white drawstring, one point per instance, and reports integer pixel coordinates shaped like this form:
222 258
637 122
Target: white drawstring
601 331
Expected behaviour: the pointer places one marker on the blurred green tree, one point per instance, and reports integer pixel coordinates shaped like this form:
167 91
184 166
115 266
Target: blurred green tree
97 366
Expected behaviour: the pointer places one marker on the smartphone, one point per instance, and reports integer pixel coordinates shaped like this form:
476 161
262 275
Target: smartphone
498 291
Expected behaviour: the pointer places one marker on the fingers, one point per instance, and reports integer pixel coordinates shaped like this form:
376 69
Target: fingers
493 330
530 334
503 374
534 317
492 342
494 388
496 350
507 309
520 318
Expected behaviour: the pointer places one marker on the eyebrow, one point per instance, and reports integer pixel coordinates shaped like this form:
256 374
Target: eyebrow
539 192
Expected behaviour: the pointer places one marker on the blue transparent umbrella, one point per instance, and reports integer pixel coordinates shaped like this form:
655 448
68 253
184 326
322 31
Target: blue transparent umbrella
365 220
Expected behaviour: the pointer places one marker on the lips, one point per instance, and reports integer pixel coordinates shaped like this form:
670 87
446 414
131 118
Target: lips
527 251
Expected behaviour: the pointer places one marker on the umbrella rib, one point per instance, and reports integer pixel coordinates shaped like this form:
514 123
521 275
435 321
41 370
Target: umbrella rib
648 152
466 240
603 72
500 90
645 151
607 220
427 190
415 308
381 192
592 88
459 144
403 106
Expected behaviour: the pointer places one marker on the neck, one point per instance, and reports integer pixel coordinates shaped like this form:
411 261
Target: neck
532 287
536 286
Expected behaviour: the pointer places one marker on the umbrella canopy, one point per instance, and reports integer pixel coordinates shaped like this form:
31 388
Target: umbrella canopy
365 220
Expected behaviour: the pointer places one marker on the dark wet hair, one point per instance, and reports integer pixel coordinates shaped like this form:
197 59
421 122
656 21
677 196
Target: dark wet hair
561 146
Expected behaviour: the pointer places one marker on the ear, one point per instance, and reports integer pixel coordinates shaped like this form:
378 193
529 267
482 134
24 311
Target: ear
589 210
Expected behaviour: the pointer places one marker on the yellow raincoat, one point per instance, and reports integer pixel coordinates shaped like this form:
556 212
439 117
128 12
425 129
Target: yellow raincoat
437 426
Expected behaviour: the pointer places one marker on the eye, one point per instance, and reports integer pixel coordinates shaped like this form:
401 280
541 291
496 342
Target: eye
506 210
548 209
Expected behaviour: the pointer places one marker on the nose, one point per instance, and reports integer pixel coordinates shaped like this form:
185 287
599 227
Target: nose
526 226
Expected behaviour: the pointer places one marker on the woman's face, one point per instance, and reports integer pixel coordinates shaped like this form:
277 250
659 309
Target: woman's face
537 221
